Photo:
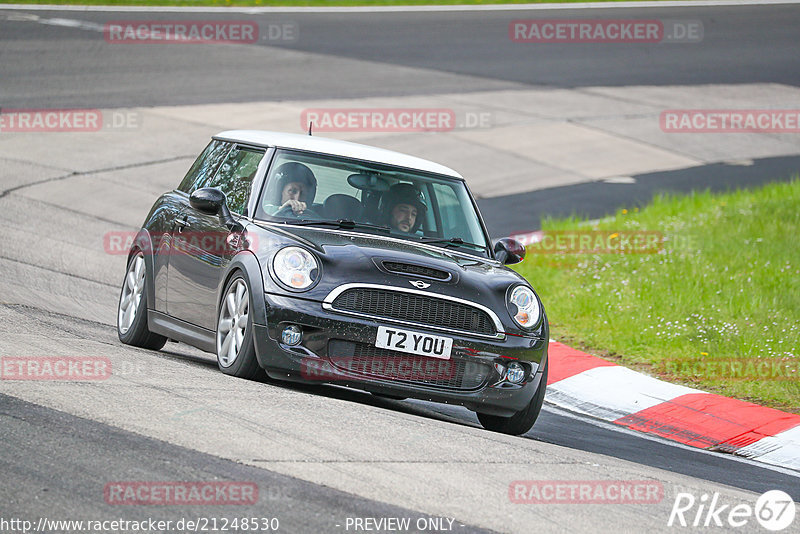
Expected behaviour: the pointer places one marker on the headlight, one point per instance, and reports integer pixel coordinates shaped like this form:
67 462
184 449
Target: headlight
295 267
524 307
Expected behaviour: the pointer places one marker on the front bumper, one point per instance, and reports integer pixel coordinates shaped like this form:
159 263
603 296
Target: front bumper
338 349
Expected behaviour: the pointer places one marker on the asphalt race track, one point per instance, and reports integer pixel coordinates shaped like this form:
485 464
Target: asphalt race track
322 457
747 44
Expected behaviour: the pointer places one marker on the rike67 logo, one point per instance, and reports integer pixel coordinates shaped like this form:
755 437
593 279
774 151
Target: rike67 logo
774 510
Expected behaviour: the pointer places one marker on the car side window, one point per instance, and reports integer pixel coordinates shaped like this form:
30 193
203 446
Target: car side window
235 176
449 207
204 166
454 223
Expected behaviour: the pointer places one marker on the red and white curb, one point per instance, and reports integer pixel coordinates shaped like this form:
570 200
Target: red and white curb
590 385
528 238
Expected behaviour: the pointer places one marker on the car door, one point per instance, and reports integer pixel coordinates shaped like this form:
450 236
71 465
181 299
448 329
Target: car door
200 173
201 241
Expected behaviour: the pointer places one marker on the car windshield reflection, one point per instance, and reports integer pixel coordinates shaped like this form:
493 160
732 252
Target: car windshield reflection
326 191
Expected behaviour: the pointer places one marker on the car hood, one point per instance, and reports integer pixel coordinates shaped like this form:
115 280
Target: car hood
352 257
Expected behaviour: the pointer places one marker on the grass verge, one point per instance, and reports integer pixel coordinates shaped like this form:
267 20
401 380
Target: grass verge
715 304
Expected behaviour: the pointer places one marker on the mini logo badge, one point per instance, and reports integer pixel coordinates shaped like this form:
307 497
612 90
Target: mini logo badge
419 284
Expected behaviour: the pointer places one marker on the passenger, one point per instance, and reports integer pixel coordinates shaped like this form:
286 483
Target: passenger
403 208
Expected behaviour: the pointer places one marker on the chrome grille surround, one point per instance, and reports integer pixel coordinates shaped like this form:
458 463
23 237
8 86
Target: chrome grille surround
328 304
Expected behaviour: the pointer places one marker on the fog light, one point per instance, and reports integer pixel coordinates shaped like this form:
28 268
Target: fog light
515 373
291 335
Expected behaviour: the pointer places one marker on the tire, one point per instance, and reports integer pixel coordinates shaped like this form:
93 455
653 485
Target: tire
236 352
523 420
132 308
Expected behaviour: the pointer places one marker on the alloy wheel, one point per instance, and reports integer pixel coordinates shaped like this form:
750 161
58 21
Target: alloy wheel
232 324
131 295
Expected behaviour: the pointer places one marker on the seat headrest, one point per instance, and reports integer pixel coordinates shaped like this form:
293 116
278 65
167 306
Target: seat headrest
340 206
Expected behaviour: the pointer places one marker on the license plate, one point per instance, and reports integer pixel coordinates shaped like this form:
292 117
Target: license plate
414 342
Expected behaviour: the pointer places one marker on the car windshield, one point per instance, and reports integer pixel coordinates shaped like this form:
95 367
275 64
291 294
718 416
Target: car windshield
335 192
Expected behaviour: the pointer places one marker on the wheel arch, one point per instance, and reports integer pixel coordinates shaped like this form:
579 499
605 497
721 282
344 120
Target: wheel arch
246 263
143 242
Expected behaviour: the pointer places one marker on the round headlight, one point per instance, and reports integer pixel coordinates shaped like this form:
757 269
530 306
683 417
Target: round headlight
295 267
524 307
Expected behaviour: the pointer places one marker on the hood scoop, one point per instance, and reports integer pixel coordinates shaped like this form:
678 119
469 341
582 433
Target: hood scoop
416 271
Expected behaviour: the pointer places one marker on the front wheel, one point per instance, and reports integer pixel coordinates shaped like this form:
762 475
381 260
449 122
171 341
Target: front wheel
132 310
236 353
523 420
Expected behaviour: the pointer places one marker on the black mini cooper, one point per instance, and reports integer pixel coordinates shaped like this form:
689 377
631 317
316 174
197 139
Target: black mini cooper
317 260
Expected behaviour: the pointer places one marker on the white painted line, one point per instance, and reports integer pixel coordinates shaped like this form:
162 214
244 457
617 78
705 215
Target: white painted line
402 9
71 23
781 449
619 180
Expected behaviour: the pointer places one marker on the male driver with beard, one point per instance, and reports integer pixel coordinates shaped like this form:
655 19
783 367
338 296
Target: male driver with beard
403 208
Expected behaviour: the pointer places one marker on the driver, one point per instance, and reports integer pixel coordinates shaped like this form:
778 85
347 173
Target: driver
294 189
403 208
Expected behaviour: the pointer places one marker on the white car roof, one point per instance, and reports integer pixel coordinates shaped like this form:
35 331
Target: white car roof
335 147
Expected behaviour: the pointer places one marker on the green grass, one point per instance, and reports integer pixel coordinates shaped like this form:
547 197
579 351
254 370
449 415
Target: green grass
724 287
267 3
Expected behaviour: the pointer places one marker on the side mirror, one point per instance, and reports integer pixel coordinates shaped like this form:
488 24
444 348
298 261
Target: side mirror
211 201
509 251
208 200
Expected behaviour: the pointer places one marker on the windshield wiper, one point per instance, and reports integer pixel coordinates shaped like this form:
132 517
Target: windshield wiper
452 241
347 224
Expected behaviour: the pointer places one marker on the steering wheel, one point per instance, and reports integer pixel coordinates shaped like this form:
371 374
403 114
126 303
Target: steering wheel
287 213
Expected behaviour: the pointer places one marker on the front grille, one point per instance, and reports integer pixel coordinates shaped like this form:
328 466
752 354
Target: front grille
420 309
368 360
416 270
